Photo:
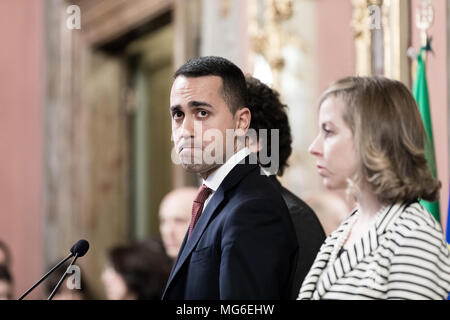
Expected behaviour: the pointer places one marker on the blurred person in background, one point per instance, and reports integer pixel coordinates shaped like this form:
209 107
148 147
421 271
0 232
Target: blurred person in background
6 283
175 213
269 113
5 254
67 290
137 271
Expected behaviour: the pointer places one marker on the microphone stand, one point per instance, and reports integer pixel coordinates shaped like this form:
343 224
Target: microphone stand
50 297
45 276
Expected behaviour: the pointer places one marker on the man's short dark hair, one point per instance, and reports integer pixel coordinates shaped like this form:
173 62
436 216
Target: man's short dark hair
269 113
234 89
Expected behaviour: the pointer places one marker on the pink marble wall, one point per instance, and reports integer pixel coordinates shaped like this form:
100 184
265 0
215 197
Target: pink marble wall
21 118
336 49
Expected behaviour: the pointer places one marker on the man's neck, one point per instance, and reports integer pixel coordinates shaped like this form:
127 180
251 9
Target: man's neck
207 173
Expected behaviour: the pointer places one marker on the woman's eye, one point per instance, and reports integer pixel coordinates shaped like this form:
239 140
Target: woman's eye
327 132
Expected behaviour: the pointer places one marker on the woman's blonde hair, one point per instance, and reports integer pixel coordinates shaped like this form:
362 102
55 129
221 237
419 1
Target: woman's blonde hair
389 137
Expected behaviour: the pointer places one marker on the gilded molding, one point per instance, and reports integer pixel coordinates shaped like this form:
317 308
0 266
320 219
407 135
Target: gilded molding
266 32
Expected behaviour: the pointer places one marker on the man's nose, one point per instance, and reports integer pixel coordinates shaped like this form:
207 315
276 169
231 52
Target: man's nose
188 127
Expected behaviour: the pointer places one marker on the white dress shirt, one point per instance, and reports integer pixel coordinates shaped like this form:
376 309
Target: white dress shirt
215 179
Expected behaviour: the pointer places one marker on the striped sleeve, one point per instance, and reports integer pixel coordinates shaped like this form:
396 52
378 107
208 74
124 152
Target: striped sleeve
420 267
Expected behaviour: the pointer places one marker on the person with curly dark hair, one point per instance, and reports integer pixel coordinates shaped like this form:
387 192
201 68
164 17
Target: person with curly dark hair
269 113
137 271
6 283
69 289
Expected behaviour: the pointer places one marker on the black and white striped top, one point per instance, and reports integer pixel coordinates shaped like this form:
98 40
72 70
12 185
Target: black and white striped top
403 256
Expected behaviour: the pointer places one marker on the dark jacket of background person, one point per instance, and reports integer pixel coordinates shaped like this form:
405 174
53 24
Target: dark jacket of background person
243 246
65 292
309 232
269 113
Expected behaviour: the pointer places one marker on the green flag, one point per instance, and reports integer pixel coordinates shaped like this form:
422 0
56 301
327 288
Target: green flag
420 92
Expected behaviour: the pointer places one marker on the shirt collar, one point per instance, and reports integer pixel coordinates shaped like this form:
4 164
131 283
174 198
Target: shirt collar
266 172
215 178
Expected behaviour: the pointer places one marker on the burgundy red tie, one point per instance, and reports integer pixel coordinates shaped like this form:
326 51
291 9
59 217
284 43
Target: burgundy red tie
197 207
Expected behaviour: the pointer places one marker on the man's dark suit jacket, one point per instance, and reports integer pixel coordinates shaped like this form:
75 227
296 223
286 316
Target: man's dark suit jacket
242 247
309 231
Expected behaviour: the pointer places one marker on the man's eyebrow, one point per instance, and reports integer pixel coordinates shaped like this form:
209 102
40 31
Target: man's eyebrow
175 108
199 104
191 104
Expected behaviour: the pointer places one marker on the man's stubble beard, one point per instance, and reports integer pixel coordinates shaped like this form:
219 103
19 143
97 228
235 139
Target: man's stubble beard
203 169
196 163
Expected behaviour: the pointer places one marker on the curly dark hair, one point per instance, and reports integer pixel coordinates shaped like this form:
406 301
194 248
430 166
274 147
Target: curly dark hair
144 266
269 113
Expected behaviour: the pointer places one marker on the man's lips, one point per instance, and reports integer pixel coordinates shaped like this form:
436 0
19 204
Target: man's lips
187 145
188 148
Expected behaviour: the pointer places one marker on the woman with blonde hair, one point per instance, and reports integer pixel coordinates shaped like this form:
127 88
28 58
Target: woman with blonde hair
372 143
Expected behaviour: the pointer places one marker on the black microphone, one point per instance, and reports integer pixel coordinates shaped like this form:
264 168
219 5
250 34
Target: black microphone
80 248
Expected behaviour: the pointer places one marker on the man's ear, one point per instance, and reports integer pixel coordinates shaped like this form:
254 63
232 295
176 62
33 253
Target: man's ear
243 118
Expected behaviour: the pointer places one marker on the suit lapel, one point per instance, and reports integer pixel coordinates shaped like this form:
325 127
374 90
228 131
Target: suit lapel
357 253
236 174
197 232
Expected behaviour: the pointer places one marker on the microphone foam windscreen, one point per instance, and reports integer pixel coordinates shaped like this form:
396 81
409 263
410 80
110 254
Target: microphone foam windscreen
80 248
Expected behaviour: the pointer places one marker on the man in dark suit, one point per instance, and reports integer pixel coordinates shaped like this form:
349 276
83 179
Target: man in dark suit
241 242
269 113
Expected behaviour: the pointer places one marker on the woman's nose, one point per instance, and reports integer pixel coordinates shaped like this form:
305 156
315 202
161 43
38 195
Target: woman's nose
314 148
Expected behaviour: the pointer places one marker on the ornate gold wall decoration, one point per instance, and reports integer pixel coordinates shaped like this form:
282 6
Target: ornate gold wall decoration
396 39
360 23
386 45
267 34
